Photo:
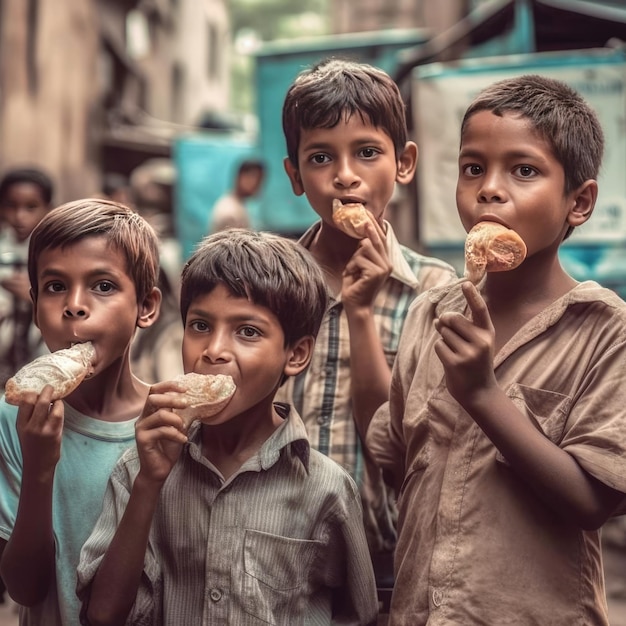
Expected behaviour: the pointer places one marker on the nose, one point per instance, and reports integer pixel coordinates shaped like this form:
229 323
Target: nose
216 347
75 306
345 175
492 189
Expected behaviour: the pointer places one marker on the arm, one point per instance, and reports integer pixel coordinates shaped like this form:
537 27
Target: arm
27 562
160 437
466 350
370 374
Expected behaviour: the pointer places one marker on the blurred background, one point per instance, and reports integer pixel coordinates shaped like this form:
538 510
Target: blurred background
170 95
157 102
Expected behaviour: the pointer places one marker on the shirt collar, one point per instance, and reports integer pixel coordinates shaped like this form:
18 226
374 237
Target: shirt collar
401 269
290 434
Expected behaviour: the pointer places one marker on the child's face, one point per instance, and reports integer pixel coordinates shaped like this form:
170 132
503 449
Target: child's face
23 208
85 294
226 334
509 174
353 161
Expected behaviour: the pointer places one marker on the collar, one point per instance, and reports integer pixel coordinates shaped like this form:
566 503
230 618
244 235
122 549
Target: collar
401 269
291 435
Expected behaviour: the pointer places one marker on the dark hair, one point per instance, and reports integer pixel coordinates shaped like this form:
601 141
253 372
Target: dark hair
270 270
123 228
558 113
336 89
29 175
249 165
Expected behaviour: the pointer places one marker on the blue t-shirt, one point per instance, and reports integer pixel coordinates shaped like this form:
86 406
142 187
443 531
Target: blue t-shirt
89 450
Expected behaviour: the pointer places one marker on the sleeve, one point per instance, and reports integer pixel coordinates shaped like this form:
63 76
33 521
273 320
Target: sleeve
385 435
146 610
595 431
10 469
356 600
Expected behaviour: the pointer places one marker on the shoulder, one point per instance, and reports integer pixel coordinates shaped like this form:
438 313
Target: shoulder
330 475
430 271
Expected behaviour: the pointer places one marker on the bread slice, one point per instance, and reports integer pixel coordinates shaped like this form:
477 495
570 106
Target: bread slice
491 247
206 395
64 370
351 218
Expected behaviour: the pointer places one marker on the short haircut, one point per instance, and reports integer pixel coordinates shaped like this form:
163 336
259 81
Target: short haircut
124 230
249 165
335 89
267 269
30 175
558 113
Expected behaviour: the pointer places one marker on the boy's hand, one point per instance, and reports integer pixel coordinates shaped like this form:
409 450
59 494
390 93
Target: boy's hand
160 433
18 284
39 428
367 270
466 348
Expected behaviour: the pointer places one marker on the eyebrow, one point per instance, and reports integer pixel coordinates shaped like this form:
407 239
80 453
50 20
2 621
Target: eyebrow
513 154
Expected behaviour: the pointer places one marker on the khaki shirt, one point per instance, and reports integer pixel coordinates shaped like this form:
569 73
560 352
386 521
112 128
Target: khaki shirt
476 545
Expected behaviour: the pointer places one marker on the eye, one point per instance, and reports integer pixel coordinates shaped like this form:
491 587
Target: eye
525 171
249 332
198 326
472 170
54 287
319 158
368 153
105 286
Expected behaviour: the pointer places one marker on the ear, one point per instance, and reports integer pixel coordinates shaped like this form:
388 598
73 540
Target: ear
294 177
583 201
407 162
299 356
149 308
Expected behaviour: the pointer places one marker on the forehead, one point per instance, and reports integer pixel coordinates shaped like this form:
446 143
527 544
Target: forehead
352 128
23 191
510 131
83 256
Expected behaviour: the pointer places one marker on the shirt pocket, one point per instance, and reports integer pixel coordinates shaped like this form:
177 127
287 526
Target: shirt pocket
277 574
547 410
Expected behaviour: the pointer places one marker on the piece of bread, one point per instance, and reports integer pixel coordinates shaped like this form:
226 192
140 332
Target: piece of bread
351 218
491 247
206 395
64 370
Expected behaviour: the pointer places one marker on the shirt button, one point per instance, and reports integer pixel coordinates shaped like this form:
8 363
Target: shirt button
437 597
322 419
215 595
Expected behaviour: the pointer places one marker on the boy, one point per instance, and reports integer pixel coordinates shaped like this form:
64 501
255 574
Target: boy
93 269
25 197
506 421
235 521
346 134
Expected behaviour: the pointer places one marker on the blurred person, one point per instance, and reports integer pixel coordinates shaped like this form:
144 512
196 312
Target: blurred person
116 187
230 210
25 198
345 128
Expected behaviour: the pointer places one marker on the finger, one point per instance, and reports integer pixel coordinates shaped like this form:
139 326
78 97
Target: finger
477 305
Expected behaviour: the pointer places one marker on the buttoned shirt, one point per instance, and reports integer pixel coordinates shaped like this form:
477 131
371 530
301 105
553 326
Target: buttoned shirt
476 544
322 393
279 542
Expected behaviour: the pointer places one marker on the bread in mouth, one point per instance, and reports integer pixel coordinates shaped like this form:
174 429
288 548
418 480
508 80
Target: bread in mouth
351 218
205 394
492 247
64 370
